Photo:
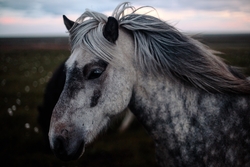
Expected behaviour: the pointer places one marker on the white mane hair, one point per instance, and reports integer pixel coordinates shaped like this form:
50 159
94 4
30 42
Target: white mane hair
160 49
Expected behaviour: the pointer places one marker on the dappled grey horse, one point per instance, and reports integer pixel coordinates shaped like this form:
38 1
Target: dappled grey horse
195 107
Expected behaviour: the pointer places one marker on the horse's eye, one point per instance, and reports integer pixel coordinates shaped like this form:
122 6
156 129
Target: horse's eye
95 73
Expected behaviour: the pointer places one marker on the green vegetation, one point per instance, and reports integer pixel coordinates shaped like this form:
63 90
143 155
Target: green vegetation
24 73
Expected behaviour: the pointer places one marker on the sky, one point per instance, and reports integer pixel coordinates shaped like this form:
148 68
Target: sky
44 17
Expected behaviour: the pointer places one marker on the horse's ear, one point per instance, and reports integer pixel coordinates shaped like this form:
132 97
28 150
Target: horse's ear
110 31
68 23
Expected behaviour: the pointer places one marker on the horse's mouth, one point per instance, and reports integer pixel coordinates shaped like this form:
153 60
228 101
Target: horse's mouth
64 155
79 151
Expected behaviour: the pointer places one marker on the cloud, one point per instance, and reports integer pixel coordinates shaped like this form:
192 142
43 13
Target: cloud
206 5
31 8
59 7
18 26
44 16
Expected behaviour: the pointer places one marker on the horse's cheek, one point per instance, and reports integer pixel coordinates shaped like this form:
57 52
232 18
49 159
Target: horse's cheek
120 93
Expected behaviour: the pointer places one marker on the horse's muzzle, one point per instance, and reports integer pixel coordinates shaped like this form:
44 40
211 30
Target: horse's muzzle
61 149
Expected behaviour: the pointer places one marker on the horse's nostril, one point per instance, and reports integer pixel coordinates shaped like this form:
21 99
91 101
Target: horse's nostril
60 146
64 132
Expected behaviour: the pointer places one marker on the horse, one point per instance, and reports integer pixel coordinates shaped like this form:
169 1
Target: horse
193 105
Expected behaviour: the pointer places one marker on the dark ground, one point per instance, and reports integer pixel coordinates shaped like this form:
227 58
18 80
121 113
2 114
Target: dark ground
26 64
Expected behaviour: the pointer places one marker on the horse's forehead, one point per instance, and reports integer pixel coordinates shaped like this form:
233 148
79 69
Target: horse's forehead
81 56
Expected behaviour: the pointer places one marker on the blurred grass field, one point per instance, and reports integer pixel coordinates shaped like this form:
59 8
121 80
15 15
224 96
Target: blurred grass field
27 64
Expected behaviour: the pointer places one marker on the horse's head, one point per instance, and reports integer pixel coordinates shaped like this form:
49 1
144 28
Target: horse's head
94 92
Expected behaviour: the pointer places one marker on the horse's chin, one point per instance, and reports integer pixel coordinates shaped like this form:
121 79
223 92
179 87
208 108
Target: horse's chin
74 155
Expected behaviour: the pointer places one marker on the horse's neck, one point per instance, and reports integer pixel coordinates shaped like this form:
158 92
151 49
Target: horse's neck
155 100
176 115
159 104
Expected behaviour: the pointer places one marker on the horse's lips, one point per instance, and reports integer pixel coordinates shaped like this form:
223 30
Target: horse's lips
74 155
78 153
80 150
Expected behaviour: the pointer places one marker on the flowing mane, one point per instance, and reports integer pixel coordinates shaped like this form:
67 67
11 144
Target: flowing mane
160 49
